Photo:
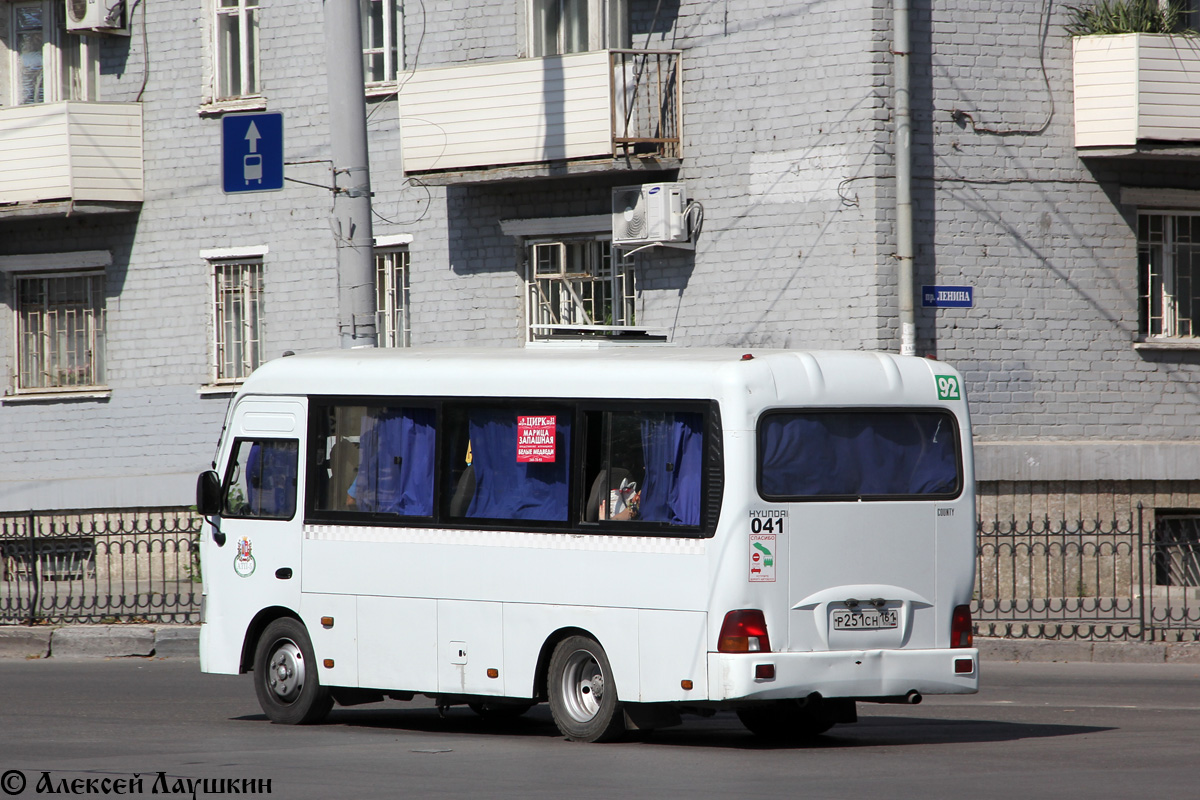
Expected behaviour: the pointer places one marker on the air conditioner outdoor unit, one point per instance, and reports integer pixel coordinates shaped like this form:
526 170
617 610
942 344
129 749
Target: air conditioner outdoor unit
650 213
105 16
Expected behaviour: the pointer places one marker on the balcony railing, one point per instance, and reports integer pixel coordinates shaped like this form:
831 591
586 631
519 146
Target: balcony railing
602 105
1136 88
71 151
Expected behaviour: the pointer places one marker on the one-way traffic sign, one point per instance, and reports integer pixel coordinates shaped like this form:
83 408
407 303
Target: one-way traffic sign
252 152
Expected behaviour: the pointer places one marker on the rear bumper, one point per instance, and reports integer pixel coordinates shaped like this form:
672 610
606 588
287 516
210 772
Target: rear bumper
842 673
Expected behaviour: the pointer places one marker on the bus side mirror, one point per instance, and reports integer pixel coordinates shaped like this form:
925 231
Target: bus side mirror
208 493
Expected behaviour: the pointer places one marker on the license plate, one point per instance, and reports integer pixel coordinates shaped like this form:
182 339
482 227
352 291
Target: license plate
865 620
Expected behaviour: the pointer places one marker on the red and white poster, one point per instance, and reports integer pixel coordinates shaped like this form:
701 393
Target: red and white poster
535 440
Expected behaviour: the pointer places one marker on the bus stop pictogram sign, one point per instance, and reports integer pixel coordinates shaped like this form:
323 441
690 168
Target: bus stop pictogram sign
252 152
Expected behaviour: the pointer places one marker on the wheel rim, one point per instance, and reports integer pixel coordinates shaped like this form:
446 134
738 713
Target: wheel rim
285 671
582 686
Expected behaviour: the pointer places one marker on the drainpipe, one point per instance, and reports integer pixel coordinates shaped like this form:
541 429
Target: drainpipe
904 214
351 218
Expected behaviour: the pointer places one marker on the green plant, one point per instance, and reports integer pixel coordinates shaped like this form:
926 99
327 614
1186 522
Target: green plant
1129 16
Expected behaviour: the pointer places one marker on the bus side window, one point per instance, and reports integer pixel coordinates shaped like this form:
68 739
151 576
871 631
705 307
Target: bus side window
261 479
520 460
646 465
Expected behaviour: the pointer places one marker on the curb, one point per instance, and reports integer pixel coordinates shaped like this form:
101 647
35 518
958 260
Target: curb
1043 651
100 641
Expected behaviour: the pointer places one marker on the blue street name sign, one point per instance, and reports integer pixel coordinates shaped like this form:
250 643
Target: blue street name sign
252 152
948 296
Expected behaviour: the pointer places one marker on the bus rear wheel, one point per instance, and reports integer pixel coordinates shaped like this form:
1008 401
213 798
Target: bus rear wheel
583 694
285 675
789 720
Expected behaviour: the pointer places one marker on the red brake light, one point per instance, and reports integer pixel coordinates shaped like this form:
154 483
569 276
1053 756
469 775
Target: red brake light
961 633
744 631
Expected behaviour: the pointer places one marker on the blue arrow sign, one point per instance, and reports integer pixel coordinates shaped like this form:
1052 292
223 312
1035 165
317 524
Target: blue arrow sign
947 296
252 152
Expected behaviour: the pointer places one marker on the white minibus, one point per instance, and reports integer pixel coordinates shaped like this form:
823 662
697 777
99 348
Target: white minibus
626 532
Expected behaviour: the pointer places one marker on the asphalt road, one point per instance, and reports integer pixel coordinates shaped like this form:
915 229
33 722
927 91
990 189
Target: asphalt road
1035 730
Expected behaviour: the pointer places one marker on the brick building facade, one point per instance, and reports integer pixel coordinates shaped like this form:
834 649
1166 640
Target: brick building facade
1079 401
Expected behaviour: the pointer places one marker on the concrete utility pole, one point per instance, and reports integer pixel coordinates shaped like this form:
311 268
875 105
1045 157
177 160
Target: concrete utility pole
351 175
902 117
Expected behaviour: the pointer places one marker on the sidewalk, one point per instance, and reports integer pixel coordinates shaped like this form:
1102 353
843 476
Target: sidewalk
183 641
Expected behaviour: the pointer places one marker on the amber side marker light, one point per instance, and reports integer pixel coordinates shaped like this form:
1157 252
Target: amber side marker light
744 631
326 622
686 685
328 663
493 672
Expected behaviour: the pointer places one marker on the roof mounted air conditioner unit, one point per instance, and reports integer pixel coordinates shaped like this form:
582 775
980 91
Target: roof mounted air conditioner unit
653 213
102 16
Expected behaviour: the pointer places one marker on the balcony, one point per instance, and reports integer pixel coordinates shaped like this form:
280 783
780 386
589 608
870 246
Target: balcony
1137 94
603 111
70 157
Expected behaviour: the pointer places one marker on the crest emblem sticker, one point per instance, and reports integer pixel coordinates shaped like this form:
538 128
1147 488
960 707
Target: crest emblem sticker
243 562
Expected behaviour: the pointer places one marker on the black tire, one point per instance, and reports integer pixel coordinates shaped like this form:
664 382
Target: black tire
499 711
788 720
583 694
285 675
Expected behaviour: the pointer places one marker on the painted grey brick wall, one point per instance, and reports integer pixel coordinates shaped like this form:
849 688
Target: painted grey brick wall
787 127
1006 205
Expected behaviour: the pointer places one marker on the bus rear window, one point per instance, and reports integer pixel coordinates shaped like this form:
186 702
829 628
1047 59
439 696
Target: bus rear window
858 455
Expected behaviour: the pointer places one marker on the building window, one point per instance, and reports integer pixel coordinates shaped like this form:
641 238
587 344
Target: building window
574 287
60 331
1169 264
237 319
383 40
391 298
45 63
237 49
1177 548
557 27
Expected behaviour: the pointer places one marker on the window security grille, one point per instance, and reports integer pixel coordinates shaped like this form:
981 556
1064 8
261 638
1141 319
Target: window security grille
1169 260
391 299
237 315
574 285
60 331
1177 550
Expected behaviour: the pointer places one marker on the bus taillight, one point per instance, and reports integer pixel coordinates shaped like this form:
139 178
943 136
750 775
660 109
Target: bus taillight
744 631
961 634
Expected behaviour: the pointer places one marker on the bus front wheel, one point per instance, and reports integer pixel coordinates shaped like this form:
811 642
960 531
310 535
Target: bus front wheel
583 695
285 675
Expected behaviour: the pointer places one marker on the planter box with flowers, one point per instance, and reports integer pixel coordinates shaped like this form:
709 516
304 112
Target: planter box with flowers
1137 86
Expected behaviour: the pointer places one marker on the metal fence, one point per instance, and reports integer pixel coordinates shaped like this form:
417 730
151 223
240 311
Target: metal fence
645 104
1125 579
100 566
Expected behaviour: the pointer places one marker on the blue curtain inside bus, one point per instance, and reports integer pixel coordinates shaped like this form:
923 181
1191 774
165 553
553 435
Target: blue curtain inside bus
858 454
396 457
674 452
271 478
506 488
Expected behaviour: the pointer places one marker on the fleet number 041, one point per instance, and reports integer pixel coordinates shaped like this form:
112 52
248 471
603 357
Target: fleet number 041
760 525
